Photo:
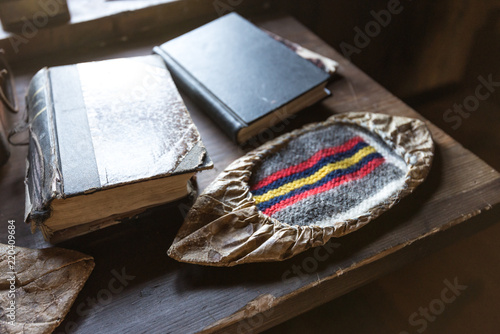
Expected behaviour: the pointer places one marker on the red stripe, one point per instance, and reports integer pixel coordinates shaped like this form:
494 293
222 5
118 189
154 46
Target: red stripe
365 170
308 163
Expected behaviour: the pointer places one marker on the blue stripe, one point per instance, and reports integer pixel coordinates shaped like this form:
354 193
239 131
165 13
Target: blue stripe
311 170
332 175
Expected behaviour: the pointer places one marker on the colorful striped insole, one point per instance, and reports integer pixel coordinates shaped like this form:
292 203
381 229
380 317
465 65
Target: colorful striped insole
333 173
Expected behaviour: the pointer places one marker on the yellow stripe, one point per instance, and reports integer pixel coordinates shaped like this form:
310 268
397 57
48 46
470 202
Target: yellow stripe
324 171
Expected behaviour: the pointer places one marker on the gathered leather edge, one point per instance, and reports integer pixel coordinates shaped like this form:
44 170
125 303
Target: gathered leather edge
408 137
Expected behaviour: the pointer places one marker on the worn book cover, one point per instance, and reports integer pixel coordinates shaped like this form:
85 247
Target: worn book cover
244 79
107 140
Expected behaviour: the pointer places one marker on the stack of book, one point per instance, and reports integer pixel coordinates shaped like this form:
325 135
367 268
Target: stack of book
113 138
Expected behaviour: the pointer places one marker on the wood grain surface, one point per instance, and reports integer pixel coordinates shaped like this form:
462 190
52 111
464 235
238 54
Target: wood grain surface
137 288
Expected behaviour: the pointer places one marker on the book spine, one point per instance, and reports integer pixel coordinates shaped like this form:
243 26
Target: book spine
216 110
43 176
4 144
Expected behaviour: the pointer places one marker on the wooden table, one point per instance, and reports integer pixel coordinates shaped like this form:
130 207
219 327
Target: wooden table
156 294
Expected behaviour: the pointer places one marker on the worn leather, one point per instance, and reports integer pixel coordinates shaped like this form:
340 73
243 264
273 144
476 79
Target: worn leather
225 227
4 145
47 283
43 178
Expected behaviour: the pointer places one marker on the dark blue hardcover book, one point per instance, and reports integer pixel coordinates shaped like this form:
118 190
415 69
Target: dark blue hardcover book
243 78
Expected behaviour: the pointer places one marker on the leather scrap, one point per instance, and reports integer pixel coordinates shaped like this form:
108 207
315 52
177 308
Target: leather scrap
47 283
